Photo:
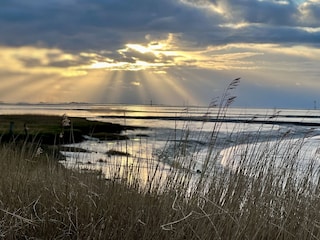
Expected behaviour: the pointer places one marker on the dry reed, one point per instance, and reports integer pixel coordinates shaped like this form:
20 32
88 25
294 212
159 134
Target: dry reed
260 193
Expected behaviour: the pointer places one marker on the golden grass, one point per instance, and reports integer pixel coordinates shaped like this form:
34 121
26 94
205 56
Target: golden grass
40 199
252 198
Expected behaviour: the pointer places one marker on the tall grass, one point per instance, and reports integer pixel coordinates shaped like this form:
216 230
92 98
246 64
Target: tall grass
41 199
259 192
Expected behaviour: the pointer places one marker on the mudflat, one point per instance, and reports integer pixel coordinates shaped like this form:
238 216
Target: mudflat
52 130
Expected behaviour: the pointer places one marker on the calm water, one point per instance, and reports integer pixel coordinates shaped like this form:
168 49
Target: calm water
175 129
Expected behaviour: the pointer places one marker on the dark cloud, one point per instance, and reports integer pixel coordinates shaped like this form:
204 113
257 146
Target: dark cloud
63 64
134 55
30 62
273 34
75 25
266 12
310 13
95 24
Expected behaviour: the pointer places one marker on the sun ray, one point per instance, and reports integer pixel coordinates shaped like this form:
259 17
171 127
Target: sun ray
141 89
115 91
162 70
98 87
155 88
48 93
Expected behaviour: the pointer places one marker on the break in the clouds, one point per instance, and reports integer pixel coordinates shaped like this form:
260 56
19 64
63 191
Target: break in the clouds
170 51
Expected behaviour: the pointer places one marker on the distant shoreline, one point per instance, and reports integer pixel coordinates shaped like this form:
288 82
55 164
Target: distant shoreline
227 120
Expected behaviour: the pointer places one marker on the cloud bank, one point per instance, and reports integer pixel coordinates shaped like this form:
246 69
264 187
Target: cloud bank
57 39
75 25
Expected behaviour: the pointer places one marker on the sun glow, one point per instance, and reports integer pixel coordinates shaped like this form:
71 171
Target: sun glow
32 60
235 25
98 65
157 56
154 69
138 47
161 55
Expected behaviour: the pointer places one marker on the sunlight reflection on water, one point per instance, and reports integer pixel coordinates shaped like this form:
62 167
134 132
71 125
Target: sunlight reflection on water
167 127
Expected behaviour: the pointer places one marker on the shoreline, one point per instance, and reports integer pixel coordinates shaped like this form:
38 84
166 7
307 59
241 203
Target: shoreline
52 132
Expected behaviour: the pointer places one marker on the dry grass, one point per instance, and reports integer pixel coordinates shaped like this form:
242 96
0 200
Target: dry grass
40 199
258 196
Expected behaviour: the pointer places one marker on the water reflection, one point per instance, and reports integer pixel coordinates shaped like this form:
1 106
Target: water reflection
133 159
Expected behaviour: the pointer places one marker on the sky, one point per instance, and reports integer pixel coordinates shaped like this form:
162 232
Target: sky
176 52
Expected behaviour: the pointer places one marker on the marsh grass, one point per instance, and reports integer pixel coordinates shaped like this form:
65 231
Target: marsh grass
256 191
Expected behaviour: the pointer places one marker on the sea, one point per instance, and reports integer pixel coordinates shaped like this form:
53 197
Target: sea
184 137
